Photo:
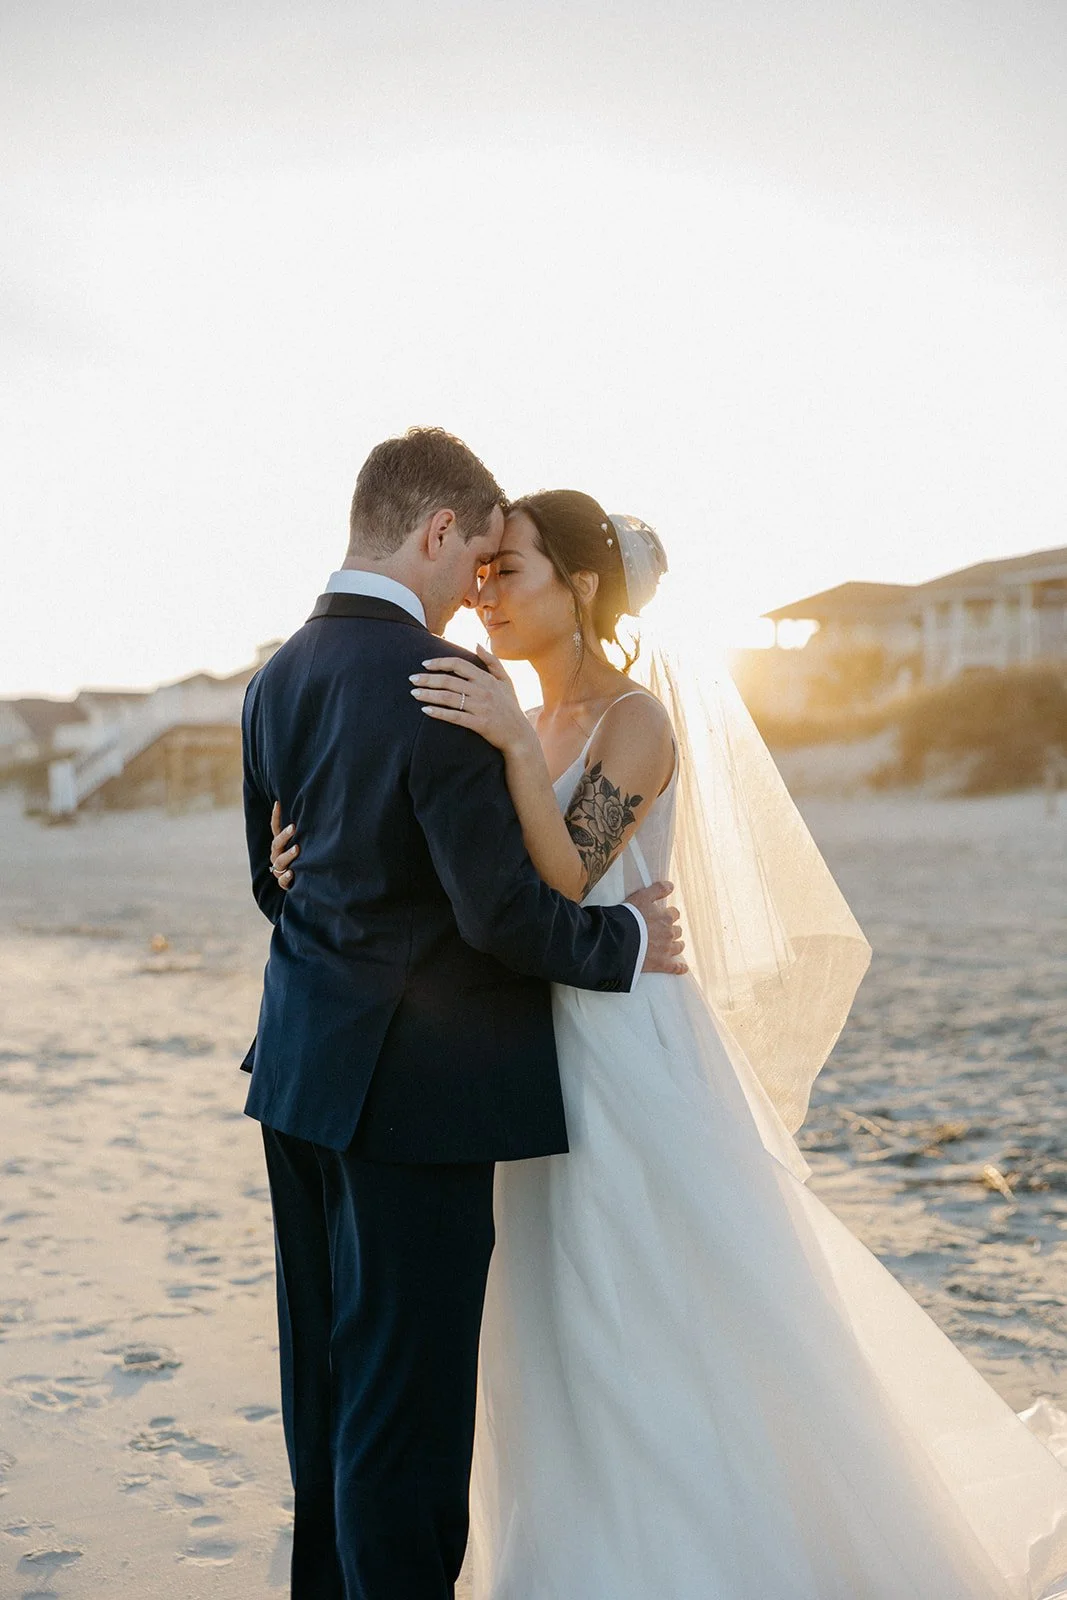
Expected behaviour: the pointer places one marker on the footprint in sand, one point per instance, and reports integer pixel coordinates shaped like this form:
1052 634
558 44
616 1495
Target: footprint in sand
143 1358
178 1044
248 1280
257 1413
13 1313
185 1291
65 1329
164 1436
45 1562
139 1364
210 1552
186 1253
77 1393
171 1216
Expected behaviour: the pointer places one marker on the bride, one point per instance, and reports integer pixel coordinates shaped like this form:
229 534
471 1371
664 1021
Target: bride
695 1383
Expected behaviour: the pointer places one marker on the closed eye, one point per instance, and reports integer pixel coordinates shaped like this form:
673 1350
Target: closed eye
485 573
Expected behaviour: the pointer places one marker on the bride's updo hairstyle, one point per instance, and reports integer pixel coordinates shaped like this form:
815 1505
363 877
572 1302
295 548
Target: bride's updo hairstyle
576 534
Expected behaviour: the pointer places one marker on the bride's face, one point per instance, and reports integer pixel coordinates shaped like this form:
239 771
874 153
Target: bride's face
525 607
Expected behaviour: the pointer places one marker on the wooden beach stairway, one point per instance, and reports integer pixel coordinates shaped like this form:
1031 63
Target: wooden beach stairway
174 766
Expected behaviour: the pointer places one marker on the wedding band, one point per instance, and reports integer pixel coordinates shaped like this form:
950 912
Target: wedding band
463 700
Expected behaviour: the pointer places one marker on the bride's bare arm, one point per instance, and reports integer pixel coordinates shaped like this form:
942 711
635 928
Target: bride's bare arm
627 765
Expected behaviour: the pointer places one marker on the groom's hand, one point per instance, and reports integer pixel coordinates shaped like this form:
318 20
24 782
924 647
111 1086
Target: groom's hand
665 943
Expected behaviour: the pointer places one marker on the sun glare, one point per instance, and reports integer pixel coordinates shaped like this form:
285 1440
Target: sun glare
682 616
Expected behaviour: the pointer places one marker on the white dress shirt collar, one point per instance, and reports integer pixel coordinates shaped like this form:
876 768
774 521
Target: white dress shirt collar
349 581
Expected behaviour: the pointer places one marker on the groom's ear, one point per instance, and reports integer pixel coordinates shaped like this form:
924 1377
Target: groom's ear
438 527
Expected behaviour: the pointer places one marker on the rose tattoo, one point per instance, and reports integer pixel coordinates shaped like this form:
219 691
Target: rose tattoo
597 817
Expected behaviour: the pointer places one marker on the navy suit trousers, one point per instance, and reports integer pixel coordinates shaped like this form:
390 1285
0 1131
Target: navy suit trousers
381 1281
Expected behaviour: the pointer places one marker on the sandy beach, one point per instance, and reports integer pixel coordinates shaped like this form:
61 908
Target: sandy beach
140 1445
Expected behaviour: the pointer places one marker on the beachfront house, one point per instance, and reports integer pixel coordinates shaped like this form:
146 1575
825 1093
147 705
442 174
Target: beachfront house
869 640
176 745
34 728
16 738
106 712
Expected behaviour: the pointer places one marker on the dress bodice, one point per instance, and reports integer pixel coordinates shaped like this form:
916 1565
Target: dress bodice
646 856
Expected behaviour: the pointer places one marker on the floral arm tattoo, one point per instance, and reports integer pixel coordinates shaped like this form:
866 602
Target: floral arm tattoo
597 817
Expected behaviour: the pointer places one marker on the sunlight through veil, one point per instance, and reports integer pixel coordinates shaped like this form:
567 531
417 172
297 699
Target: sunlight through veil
769 936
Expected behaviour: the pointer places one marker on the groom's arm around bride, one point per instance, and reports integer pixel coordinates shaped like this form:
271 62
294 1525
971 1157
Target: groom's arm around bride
405 1037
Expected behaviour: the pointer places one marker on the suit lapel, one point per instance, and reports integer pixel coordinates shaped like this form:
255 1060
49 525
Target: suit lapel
362 605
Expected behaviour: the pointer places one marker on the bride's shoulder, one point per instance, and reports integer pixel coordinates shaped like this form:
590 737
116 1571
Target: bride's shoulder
637 709
635 725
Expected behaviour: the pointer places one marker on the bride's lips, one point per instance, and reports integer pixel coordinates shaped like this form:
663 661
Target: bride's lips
491 627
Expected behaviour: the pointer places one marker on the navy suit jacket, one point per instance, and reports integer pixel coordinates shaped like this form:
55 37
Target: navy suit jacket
406 1010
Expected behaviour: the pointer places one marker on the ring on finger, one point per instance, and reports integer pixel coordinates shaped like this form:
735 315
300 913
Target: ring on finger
463 700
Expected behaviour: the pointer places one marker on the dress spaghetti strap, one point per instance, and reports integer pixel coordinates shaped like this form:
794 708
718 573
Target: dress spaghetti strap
629 695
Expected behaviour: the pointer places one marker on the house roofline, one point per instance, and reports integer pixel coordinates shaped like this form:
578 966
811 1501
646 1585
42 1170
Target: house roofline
880 601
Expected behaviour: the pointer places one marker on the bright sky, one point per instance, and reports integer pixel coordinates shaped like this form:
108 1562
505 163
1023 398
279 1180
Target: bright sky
788 280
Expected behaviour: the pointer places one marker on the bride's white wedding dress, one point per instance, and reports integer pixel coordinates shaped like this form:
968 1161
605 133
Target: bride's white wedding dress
696 1383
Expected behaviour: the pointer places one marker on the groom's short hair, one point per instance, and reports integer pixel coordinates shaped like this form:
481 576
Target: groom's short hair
406 479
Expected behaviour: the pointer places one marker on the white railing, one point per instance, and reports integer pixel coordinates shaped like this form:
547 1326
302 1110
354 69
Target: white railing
74 779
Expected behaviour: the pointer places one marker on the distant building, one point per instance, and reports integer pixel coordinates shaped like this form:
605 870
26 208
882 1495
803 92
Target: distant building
174 745
199 698
874 639
106 711
33 728
17 742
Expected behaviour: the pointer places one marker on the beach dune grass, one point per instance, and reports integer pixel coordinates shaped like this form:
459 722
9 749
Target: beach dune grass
985 732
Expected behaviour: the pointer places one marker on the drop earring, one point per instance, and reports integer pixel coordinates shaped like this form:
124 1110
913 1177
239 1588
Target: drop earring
577 637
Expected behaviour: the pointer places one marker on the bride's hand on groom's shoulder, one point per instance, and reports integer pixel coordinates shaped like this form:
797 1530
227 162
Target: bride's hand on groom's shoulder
665 942
481 698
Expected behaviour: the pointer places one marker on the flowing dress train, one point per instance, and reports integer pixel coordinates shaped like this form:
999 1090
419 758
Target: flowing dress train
696 1383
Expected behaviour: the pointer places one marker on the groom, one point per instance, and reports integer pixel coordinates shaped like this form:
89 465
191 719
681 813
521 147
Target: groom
405 1035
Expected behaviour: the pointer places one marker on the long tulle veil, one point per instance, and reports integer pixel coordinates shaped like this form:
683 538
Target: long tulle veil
769 936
